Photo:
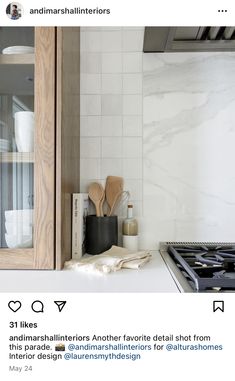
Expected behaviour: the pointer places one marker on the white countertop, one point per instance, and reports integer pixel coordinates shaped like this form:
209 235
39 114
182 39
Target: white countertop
153 277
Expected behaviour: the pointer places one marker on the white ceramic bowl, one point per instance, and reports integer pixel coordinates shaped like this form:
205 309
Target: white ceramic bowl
14 241
18 50
24 131
16 228
22 216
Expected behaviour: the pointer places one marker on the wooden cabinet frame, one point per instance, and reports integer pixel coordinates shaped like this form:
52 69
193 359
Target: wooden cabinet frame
57 148
67 136
44 177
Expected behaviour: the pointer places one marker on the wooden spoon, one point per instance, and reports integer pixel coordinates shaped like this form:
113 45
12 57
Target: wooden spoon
96 194
113 189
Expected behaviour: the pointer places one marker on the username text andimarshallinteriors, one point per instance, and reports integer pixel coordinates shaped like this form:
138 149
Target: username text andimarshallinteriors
70 11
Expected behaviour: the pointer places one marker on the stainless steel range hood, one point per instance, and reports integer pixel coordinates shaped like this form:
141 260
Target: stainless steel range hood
189 39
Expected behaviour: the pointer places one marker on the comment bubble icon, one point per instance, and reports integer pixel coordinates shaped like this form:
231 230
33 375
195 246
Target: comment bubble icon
37 306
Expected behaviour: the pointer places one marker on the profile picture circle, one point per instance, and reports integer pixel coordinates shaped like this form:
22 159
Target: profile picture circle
14 11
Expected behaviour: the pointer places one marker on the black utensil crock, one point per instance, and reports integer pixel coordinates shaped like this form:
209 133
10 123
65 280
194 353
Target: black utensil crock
101 233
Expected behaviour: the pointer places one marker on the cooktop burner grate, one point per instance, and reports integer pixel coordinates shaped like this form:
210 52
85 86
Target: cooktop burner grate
206 265
195 243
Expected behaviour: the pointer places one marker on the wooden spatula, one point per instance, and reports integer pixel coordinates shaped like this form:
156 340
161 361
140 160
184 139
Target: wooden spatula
101 204
96 194
113 188
116 202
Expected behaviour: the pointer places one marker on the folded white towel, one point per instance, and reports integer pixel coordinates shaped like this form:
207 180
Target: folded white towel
111 260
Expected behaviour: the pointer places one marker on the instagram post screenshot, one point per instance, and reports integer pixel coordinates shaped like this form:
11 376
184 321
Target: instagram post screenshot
117 190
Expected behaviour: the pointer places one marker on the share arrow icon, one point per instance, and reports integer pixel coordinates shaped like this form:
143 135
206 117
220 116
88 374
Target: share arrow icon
60 304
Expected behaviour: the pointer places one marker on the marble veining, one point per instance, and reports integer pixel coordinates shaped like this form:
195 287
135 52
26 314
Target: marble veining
188 147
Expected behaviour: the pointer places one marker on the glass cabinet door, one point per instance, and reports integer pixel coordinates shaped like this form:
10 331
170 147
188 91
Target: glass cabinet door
17 125
27 147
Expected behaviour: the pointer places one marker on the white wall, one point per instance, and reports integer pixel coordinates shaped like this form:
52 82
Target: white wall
178 164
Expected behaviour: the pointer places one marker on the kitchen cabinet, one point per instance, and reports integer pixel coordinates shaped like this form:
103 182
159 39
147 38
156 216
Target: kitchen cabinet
38 181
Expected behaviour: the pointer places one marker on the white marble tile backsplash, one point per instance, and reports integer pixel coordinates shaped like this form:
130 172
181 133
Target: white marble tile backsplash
90 83
90 62
91 41
115 117
188 132
112 147
111 125
111 166
90 126
132 104
111 41
111 84
132 147
90 147
132 83
165 122
111 62
132 168
133 40
111 104
132 62
90 105
90 169
132 125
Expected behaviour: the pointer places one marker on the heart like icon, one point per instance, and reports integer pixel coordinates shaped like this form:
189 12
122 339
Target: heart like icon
14 305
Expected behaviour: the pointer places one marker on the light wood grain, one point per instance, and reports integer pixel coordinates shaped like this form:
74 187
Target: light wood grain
67 136
17 59
44 148
16 157
16 258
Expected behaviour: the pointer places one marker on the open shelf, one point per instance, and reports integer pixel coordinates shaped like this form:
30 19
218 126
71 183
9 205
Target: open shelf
16 157
17 59
17 74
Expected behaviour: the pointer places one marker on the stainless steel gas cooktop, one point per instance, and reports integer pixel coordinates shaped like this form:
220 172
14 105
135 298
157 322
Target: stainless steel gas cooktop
201 266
